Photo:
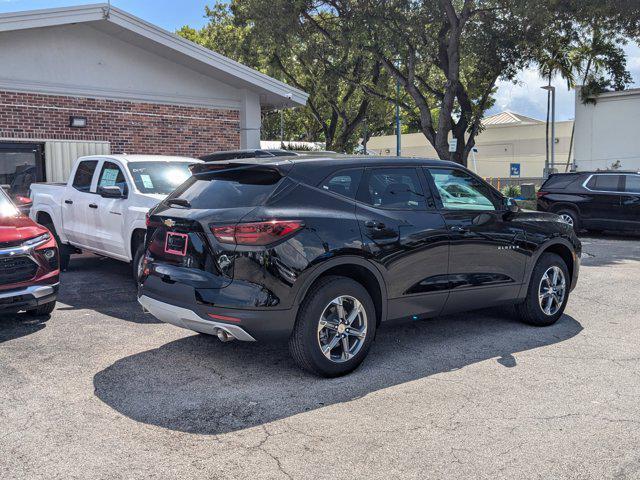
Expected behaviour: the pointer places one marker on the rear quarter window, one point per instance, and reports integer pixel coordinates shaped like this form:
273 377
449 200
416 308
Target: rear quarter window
605 183
344 182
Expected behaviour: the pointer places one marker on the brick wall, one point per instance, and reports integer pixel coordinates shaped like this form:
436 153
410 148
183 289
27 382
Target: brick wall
131 127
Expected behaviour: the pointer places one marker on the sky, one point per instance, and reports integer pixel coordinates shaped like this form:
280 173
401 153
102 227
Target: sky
525 96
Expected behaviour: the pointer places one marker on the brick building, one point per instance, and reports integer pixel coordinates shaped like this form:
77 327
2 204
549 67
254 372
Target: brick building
94 79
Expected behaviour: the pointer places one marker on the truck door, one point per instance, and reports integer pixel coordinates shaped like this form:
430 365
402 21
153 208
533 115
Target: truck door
76 201
108 234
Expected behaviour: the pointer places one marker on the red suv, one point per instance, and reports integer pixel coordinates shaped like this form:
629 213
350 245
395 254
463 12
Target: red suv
29 263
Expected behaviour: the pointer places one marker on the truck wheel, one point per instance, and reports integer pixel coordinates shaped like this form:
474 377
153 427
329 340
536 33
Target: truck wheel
42 310
335 327
548 292
138 260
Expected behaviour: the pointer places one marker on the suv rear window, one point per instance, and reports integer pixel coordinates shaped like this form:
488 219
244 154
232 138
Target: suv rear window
227 189
559 181
605 183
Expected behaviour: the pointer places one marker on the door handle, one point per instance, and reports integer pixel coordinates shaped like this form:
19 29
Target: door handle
93 205
458 229
69 202
375 225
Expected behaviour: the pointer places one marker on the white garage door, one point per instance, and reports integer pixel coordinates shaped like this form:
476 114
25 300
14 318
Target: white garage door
60 155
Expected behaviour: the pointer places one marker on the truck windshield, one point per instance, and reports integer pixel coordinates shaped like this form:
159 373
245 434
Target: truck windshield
159 177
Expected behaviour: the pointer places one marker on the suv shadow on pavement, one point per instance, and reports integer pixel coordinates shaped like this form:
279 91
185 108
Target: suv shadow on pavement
199 385
16 325
101 284
605 249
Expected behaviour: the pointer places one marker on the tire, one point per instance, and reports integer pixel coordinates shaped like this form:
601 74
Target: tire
531 311
42 310
138 258
63 250
306 338
572 215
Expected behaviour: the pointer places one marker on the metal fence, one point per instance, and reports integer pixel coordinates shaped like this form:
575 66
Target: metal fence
500 183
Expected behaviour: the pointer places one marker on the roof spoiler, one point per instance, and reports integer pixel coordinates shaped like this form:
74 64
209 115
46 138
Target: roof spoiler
220 167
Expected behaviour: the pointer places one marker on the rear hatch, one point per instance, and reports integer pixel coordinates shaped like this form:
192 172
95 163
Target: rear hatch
182 247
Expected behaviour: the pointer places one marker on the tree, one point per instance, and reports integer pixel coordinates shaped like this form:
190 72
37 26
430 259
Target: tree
446 54
300 56
587 45
554 59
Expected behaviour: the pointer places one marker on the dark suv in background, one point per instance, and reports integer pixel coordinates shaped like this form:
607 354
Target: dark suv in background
321 250
595 201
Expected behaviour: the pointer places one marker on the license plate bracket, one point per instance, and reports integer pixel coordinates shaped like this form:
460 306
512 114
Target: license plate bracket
176 243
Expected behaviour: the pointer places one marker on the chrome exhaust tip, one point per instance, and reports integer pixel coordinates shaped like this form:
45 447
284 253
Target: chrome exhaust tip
225 336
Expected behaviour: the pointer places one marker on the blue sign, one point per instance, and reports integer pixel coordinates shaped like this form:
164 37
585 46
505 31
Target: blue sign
515 170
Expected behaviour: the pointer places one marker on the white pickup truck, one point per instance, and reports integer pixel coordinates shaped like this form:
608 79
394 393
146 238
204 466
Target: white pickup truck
102 208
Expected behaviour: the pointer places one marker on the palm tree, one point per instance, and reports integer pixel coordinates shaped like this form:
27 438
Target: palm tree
594 53
555 59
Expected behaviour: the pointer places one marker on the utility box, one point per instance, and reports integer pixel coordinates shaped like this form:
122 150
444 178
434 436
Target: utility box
528 191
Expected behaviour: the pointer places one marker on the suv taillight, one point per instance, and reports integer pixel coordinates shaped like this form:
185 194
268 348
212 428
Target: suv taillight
541 194
256 233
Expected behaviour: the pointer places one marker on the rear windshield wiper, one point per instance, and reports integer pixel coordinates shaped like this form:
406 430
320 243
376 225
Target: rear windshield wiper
181 202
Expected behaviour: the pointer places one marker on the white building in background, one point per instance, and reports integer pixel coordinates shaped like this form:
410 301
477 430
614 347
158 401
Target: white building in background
607 132
510 146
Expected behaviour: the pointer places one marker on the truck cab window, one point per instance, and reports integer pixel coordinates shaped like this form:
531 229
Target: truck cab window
112 176
84 175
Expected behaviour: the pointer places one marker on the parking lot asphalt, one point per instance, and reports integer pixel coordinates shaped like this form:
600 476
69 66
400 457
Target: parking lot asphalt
102 390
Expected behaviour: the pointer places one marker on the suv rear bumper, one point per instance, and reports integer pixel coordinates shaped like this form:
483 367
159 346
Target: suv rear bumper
182 317
28 298
243 325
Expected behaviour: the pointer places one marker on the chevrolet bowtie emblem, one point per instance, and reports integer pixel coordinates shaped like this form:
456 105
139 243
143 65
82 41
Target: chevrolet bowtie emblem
170 223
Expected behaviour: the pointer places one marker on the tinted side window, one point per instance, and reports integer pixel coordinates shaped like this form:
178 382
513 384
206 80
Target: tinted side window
461 191
632 183
84 174
111 175
605 183
393 188
344 182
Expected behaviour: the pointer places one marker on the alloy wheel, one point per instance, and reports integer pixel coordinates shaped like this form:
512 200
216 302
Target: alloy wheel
342 328
566 218
552 290
140 267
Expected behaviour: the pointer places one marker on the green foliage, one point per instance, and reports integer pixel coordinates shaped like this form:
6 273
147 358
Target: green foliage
512 191
446 54
263 35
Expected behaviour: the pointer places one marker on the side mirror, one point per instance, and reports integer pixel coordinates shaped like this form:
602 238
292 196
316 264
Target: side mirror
112 191
23 204
511 205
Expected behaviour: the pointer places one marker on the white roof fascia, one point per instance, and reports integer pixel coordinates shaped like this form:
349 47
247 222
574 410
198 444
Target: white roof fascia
102 12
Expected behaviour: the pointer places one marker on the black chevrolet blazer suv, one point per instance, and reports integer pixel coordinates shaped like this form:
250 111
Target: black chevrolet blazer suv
319 251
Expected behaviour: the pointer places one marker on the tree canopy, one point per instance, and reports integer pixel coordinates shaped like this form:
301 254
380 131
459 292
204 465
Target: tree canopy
447 55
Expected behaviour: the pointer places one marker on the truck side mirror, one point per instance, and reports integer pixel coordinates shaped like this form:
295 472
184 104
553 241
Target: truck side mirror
112 191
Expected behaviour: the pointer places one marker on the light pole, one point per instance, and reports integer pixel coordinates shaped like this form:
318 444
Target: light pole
366 134
281 128
548 166
398 141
